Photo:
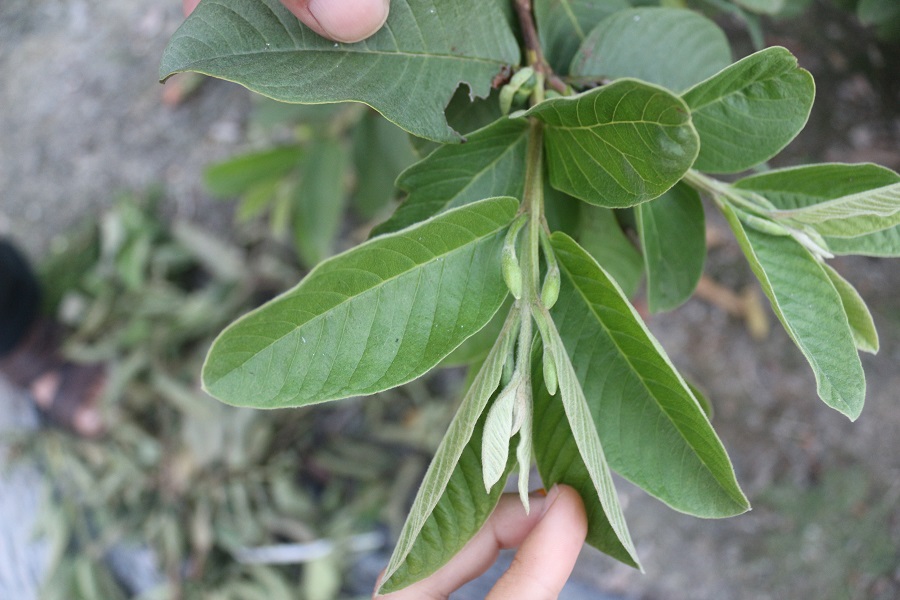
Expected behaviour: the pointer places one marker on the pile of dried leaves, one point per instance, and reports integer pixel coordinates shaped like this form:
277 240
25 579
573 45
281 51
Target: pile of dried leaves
227 503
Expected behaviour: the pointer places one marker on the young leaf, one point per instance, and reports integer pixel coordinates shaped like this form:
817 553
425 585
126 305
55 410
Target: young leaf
319 201
800 187
370 319
861 324
618 145
563 25
451 505
748 112
497 432
491 163
568 450
671 47
672 229
850 216
602 237
811 310
408 71
654 431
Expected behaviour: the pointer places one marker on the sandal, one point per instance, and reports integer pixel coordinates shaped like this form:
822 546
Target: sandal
66 393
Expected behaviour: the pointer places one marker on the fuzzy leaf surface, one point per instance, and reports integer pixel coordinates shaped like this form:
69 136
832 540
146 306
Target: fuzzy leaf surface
564 24
801 187
808 305
451 505
861 323
850 216
408 71
672 230
491 163
653 429
749 111
618 145
671 47
372 318
569 451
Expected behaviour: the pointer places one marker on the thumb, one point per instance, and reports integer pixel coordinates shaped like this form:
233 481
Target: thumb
341 20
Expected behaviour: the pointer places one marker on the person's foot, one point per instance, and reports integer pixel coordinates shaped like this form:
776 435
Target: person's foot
65 392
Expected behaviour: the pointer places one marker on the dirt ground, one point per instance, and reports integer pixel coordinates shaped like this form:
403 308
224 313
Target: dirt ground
81 119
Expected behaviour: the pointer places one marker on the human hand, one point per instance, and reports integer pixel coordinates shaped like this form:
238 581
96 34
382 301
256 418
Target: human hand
338 20
549 539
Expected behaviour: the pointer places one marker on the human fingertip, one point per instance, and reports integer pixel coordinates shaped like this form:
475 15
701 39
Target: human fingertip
349 22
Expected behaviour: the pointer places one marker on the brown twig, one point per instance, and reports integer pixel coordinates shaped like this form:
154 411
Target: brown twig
534 52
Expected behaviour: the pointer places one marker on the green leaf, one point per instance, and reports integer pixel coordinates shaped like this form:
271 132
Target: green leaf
568 450
808 305
884 243
653 429
861 324
370 319
602 237
672 229
563 25
618 145
243 173
853 215
451 505
408 71
671 47
490 163
464 114
319 201
748 112
800 187
474 350
380 153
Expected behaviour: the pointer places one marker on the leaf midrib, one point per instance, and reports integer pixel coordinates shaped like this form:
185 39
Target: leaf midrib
404 53
363 293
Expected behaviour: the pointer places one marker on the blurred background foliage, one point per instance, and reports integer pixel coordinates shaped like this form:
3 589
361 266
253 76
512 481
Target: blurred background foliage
221 497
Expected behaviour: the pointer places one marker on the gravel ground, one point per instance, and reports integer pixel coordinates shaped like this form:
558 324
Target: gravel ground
81 119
